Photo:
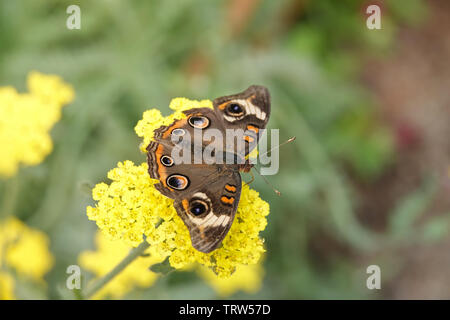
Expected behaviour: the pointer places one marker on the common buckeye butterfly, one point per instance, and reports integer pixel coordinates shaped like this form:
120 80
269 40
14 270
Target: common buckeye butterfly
206 195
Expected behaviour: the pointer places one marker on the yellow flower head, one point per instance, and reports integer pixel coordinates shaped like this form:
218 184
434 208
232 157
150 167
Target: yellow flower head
24 249
6 286
246 278
131 207
26 119
109 253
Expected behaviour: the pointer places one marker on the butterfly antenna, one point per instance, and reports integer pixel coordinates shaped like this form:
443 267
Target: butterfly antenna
253 178
267 181
259 173
276 147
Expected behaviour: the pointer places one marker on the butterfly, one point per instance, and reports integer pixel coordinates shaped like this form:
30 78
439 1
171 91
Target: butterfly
206 195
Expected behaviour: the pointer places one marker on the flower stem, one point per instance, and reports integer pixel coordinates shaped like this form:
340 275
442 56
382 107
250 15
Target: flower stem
10 197
134 253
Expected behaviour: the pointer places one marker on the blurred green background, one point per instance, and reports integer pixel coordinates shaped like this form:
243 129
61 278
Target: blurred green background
366 182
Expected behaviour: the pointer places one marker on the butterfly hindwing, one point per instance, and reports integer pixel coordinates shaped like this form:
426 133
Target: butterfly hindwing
206 196
209 212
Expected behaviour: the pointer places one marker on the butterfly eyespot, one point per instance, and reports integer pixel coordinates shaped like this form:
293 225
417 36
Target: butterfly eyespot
166 161
234 109
198 207
199 122
177 182
178 132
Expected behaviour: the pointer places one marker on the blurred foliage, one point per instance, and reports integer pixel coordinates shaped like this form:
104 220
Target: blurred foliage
131 56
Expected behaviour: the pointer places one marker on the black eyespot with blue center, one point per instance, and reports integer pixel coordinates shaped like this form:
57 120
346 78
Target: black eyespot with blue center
166 161
199 122
178 132
177 182
234 109
198 207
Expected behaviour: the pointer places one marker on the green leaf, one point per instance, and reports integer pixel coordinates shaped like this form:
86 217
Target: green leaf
86 188
436 229
162 268
408 210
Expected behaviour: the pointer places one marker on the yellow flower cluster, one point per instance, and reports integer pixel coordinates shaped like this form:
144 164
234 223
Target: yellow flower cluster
6 286
108 254
26 119
246 278
25 250
131 207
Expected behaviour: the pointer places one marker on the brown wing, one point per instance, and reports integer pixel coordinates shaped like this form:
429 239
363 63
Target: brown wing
208 212
174 163
206 196
177 178
248 111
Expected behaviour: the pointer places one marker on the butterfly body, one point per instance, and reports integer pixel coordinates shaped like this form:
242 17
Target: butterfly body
206 194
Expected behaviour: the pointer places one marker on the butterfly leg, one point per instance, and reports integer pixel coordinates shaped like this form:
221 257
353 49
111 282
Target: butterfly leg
252 179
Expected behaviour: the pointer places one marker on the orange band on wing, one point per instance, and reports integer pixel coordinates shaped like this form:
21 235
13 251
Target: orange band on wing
185 204
160 168
249 99
249 139
253 128
227 200
230 188
177 124
223 105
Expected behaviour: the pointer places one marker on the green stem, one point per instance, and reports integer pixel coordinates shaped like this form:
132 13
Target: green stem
10 197
134 253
